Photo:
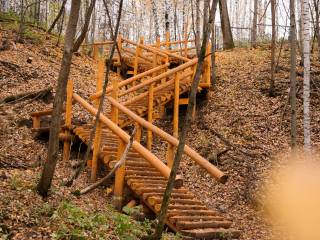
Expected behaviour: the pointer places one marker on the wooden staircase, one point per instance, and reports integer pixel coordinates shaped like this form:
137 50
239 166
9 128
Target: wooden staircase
137 101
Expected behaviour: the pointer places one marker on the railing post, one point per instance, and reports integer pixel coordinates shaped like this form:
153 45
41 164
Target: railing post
67 143
150 116
119 42
137 137
97 136
115 94
136 59
95 52
185 43
158 42
207 75
176 105
168 44
171 148
163 80
119 179
193 117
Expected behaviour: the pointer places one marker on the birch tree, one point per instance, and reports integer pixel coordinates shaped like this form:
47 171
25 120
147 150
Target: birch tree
305 20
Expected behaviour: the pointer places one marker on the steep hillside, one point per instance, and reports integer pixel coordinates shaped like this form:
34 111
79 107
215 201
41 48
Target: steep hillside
32 66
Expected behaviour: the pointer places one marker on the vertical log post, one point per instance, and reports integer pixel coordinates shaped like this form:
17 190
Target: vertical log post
120 173
207 75
168 43
119 179
119 42
150 116
95 52
158 42
193 117
185 42
97 136
67 143
136 59
171 149
114 110
137 137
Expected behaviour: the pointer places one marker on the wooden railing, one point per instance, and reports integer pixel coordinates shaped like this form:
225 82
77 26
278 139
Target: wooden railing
124 137
135 80
142 54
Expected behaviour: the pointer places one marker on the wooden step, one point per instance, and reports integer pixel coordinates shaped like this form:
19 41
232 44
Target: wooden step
212 233
202 224
174 219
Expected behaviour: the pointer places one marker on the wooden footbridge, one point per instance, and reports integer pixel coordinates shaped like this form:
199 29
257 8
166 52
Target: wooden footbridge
160 75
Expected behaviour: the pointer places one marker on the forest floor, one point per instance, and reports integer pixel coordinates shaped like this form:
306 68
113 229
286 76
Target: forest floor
238 115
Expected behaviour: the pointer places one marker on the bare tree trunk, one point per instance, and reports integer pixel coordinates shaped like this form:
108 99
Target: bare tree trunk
105 84
155 18
197 37
225 25
52 158
273 48
85 28
213 47
58 16
61 27
166 16
186 125
254 25
93 26
293 60
305 19
22 21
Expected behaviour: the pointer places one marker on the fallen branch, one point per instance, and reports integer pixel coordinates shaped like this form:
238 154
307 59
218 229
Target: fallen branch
227 142
112 172
25 95
14 165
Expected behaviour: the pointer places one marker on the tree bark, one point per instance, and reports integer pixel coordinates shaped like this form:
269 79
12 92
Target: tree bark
254 25
155 18
58 16
305 19
213 47
197 37
52 158
273 48
85 28
61 28
186 125
225 25
293 60
105 84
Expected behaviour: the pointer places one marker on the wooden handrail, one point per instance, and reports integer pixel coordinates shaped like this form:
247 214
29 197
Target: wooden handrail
130 80
174 42
132 52
150 49
158 88
214 171
162 75
181 49
150 157
97 43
